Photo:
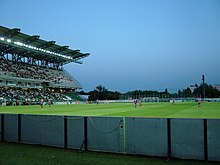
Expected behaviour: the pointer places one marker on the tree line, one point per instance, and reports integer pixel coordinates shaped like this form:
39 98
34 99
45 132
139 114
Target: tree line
102 93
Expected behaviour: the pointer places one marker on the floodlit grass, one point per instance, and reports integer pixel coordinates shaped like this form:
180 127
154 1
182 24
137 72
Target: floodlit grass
12 153
158 110
20 154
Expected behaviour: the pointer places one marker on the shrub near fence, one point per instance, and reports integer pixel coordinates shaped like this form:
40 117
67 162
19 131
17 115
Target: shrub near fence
178 138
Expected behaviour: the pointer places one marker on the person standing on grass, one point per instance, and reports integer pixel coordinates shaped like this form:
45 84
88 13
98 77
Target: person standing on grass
49 102
139 103
135 103
173 101
42 103
199 102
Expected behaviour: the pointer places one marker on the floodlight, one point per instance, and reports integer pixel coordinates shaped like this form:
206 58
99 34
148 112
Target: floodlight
35 48
18 43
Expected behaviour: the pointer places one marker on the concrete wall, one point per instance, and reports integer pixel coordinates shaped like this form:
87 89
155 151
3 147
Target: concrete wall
1 131
187 138
213 133
105 134
146 136
11 128
178 138
43 130
75 132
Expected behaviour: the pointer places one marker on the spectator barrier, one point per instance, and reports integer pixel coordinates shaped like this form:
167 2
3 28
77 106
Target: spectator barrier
172 138
43 130
146 136
213 136
74 131
187 138
1 127
105 134
10 125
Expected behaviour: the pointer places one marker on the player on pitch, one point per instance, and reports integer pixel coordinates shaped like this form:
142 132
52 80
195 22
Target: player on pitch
199 102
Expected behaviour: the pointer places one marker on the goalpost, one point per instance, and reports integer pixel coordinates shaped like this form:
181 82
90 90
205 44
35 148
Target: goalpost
151 99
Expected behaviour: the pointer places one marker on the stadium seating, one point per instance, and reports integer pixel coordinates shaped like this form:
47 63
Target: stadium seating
22 83
23 70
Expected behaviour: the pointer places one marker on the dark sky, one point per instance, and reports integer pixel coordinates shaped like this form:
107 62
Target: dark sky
134 44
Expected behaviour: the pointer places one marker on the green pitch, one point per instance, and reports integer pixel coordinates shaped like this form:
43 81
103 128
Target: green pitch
160 110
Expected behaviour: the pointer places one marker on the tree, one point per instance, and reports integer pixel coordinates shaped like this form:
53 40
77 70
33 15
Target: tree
101 93
186 93
101 88
210 92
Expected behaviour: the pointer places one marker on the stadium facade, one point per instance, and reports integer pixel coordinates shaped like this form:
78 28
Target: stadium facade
32 69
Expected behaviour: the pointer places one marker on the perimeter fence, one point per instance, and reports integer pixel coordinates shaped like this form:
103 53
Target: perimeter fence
163 137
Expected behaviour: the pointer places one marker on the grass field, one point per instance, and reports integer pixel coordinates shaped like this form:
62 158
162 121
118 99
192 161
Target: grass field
158 110
21 154
12 153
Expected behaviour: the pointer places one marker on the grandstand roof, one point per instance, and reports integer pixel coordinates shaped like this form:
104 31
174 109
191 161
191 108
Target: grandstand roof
14 42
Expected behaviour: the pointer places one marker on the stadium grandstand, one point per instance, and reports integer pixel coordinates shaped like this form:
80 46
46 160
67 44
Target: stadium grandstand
32 69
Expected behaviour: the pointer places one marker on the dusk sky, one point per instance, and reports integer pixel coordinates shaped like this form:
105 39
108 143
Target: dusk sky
134 44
